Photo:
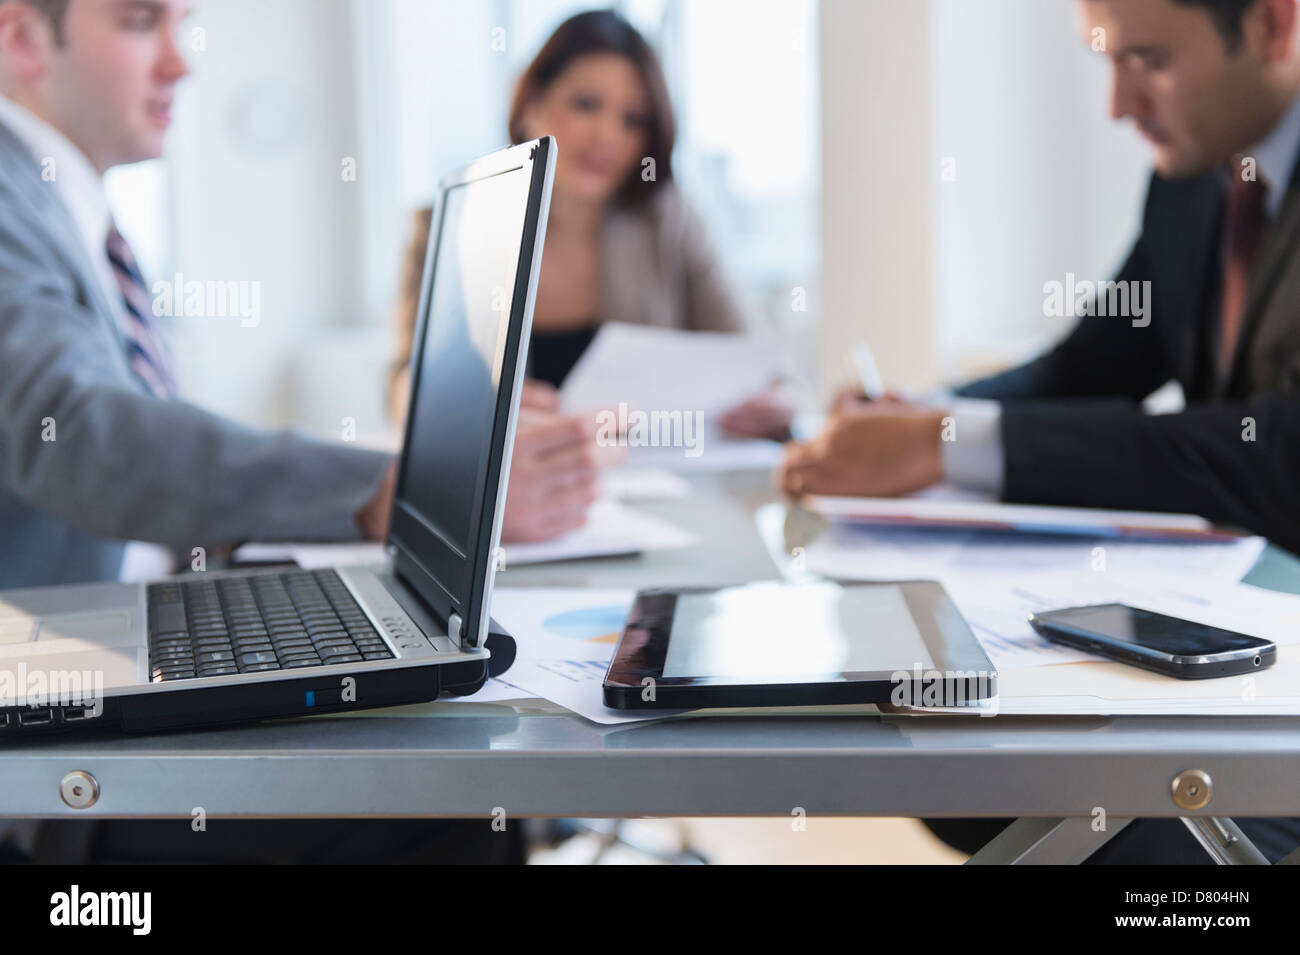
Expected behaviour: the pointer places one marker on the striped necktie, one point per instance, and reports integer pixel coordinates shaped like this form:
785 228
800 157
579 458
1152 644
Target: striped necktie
145 348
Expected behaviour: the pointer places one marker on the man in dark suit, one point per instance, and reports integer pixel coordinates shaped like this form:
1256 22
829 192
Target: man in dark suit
1213 85
1209 297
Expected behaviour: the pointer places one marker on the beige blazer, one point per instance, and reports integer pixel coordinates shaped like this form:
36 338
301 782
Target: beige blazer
660 269
658 266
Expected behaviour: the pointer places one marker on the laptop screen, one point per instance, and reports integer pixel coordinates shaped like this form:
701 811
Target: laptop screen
484 253
469 311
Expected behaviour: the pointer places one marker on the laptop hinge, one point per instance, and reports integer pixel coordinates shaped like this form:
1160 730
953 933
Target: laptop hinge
456 629
407 592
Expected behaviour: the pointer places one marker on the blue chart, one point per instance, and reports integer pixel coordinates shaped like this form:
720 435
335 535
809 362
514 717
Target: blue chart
592 624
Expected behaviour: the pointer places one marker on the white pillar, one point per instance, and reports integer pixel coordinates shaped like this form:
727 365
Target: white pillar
878 169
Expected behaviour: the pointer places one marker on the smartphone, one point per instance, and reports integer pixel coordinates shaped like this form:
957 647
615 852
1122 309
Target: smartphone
1178 648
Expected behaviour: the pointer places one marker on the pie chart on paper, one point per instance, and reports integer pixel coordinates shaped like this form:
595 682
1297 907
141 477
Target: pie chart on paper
588 624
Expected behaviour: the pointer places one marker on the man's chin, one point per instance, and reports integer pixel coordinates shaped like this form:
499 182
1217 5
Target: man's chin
1177 165
143 150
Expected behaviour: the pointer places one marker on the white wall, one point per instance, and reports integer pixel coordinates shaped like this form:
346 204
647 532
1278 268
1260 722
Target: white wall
878 269
257 194
1045 182
944 278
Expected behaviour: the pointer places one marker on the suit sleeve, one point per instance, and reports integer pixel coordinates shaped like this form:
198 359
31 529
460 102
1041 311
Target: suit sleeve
1102 355
1233 463
77 441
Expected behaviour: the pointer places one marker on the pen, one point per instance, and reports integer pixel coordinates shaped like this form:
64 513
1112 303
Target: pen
873 386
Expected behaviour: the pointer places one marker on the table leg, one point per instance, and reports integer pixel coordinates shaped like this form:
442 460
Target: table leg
1051 841
1224 841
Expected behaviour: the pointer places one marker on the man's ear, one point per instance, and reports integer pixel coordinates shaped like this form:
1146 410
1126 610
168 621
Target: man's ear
1279 23
26 41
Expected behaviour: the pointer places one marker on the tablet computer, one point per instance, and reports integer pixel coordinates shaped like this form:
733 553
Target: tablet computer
773 643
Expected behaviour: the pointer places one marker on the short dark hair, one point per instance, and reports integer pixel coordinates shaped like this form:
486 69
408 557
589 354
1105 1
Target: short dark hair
605 31
1226 14
55 11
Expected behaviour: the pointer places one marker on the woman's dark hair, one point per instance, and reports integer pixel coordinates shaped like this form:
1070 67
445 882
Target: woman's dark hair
604 31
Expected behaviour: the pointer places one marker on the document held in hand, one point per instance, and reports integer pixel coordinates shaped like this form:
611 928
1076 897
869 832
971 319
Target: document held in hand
649 369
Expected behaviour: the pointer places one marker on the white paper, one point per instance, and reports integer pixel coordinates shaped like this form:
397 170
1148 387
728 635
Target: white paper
577 684
567 635
997 609
644 484
894 553
611 529
561 623
718 452
649 368
948 511
1109 688
494 691
997 578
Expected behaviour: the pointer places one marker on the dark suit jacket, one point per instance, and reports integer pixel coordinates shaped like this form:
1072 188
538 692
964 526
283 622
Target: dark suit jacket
1073 431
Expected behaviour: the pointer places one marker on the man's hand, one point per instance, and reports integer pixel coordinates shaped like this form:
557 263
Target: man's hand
538 395
373 518
552 481
850 399
552 476
881 449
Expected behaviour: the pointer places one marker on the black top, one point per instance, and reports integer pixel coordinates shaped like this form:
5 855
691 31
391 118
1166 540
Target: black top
552 355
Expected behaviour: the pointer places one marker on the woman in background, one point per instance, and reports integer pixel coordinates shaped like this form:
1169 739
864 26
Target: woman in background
622 244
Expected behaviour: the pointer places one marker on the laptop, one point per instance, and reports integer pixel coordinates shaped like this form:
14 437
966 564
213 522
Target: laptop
232 646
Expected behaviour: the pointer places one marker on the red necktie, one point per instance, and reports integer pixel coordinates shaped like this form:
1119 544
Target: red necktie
1244 223
144 344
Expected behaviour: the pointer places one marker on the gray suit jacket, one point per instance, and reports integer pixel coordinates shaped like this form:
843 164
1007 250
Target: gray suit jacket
124 465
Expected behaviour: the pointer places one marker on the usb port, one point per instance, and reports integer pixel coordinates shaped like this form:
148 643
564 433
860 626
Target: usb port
74 714
35 717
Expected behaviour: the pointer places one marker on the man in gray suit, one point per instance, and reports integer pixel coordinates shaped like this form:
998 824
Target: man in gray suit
95 447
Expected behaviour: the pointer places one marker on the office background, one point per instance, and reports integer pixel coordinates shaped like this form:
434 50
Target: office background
819 139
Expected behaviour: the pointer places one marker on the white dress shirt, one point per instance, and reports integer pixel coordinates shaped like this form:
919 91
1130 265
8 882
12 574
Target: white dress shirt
974 459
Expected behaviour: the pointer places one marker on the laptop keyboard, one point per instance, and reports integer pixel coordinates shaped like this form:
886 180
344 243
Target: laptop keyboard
259 622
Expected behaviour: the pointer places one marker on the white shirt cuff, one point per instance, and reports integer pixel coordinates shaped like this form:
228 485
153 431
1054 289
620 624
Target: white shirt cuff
972 446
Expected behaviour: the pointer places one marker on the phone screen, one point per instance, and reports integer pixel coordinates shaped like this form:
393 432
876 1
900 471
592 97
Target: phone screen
1151 630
